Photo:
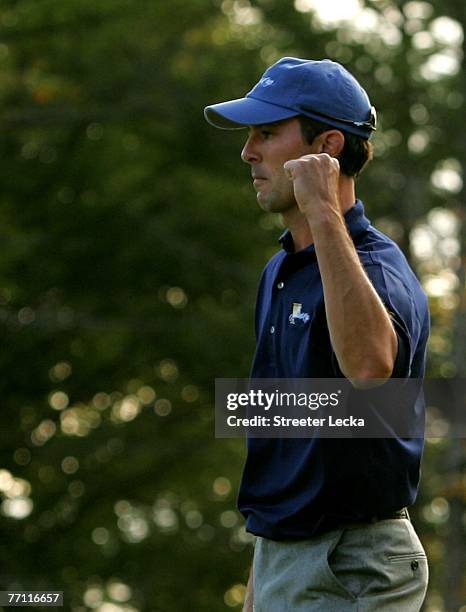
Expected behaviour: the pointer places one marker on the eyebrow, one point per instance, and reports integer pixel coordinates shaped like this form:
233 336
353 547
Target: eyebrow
261 126
272 124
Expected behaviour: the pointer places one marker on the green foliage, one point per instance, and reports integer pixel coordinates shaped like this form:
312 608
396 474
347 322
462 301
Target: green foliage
131 252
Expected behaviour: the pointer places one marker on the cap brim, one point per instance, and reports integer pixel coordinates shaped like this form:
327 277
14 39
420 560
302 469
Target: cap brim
237 114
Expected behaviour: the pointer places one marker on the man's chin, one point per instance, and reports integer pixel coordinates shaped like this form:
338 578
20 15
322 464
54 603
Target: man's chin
270 204
266 201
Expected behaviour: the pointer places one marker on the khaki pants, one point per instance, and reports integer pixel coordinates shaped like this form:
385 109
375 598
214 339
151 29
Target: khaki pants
379 567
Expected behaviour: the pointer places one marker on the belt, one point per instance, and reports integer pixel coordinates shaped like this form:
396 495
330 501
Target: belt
395 514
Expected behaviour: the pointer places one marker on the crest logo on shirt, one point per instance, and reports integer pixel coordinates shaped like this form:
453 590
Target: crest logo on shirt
297 316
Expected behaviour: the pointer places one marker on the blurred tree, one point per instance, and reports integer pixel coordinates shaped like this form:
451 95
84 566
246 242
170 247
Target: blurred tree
131 252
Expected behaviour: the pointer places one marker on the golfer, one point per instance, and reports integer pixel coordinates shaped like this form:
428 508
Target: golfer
338 300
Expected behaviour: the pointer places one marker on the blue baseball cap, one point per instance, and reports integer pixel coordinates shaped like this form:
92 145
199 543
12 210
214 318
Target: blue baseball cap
322 90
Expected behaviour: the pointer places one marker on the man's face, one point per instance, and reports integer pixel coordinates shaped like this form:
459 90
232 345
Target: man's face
267 148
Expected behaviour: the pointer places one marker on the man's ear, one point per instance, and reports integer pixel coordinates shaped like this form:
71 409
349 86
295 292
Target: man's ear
332 142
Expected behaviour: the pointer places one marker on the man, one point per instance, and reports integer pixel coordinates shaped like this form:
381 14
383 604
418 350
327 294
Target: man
330 516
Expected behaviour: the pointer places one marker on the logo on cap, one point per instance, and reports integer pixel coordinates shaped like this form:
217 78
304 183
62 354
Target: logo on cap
266 81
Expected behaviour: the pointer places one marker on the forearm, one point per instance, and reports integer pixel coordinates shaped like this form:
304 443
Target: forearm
361 331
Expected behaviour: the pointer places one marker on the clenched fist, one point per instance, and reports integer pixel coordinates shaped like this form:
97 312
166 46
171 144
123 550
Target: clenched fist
315 181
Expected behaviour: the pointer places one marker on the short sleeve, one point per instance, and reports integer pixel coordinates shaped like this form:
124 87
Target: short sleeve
406 306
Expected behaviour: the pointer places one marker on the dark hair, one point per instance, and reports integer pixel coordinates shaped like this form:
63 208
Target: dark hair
356 151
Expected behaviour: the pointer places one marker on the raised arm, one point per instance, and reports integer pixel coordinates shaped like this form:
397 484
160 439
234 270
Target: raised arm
361 332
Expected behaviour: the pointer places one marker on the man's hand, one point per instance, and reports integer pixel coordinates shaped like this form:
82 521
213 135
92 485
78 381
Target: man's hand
315 181
249 597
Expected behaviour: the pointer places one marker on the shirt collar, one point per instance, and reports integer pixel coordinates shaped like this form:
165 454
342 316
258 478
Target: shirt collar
355 220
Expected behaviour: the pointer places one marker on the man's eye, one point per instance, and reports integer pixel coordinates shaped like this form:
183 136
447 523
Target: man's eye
266 133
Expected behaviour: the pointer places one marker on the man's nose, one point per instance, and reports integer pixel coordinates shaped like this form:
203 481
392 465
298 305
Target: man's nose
250 153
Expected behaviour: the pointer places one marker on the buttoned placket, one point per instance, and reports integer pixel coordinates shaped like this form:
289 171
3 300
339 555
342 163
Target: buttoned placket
274 325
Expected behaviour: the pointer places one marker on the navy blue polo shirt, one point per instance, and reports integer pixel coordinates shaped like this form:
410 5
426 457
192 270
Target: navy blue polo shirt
297 488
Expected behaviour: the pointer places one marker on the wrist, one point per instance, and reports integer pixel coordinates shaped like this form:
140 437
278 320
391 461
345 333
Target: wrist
325 218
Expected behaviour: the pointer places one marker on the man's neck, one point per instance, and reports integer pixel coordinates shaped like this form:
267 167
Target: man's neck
296 222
